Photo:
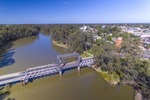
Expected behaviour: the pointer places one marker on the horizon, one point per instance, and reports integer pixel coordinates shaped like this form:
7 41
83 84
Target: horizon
74 11
71 23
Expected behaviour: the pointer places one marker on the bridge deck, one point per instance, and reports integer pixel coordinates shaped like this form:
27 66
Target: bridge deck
41 71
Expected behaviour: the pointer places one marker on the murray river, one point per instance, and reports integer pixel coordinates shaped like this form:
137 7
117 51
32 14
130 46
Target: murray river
72 85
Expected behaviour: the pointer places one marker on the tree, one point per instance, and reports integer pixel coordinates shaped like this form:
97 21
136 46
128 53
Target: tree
8 33
129 67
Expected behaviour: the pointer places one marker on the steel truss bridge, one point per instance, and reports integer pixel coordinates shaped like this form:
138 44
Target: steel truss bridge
45 70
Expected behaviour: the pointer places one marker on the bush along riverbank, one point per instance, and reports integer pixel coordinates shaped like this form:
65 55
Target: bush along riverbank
114 79
127 66
12 32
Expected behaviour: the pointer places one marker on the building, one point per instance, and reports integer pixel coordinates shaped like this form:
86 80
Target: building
88 29
84 28
96 37
144 36
119 42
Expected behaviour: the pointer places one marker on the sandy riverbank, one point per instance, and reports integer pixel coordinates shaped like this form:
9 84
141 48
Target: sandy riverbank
60 44
138 95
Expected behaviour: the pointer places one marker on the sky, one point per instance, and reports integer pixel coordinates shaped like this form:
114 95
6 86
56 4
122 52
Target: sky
74 11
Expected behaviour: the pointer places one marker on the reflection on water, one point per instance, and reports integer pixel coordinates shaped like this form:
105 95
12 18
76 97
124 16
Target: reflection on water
73 85
7 59
25 41
7 50
4 49
6 55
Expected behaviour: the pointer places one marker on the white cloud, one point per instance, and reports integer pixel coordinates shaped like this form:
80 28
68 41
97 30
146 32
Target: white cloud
66 3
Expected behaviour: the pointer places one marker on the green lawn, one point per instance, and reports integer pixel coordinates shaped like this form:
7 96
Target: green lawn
87 54
84 55
111 78
89 51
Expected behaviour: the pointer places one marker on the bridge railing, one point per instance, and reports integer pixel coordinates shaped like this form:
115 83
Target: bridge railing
9 75
11 80
41 72
40 67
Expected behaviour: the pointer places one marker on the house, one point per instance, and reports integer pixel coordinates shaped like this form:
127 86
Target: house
88 29
84 28
119 42
145 37
96 37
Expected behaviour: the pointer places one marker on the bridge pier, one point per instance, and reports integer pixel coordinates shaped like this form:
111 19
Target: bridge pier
60 72
78 68
24 82
7 85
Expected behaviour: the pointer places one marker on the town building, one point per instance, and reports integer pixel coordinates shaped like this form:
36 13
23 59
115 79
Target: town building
119 42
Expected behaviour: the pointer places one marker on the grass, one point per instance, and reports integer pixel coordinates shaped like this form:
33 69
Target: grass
84 55
89 51
110 78
87 54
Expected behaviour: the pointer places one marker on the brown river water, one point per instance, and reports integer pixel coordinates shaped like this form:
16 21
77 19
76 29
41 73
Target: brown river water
72 85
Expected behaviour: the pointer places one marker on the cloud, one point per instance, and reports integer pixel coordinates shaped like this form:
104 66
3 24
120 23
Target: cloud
2 8
66 3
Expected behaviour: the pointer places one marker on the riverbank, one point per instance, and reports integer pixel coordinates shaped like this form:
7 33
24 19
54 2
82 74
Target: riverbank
138 95
83 55
113 79
60 44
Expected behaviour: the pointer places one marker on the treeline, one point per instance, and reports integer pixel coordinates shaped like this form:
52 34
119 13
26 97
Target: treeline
70 35
12 32
108 29
49 28
75 39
